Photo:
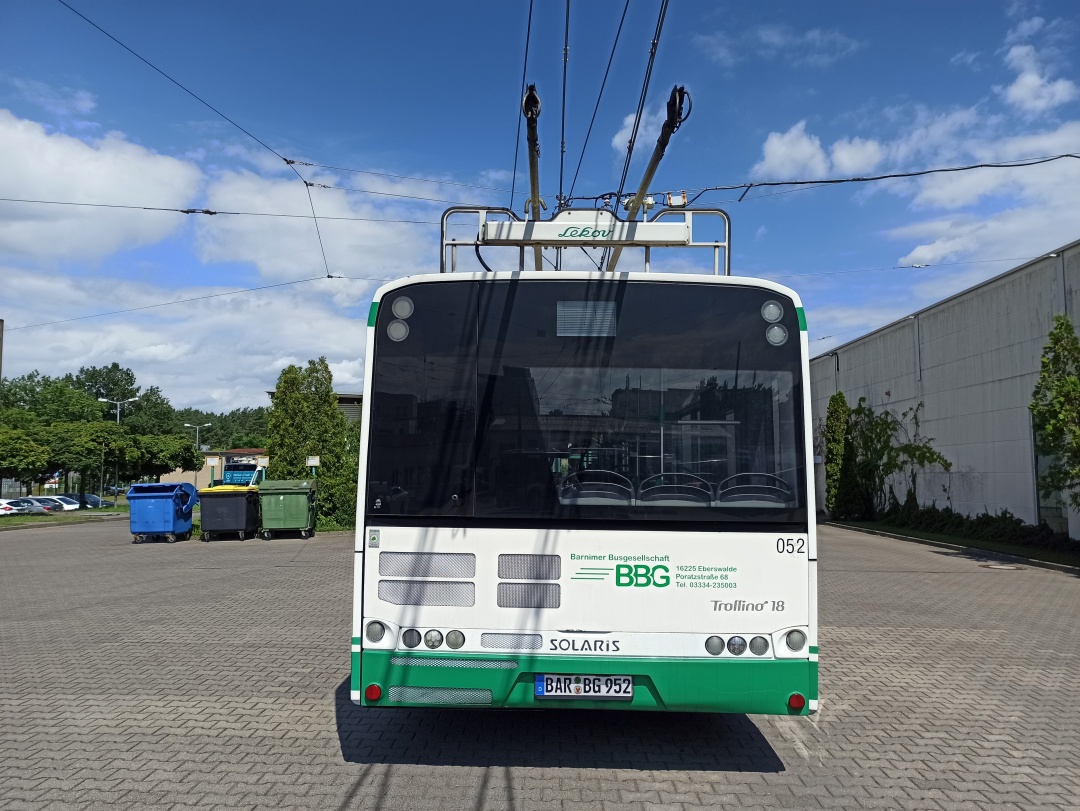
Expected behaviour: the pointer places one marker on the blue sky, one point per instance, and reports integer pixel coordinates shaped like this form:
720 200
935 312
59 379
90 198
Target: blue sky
423 98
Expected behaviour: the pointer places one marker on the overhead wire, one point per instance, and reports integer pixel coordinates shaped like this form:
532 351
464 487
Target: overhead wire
521 95
599 96
208 105
641 100
212 212
562 143
167 303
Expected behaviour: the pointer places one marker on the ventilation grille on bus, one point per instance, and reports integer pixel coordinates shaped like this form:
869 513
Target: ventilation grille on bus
427 564
511 641
427 592
479 664
439 695
529 595
530 567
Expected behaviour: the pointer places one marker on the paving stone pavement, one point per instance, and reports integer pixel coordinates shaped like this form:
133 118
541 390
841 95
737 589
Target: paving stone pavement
215 676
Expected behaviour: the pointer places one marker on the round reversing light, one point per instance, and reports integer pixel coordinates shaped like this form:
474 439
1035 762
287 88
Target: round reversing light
714 645
771 311
775 335
433 639
759 646
455 639
736 645
399 330
403 307
796 640
411 638
375 631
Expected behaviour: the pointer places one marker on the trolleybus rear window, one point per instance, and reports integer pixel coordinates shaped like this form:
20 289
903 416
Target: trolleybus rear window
577 400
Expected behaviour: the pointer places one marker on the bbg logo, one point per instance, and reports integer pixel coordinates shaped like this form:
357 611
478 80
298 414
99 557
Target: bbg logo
640 576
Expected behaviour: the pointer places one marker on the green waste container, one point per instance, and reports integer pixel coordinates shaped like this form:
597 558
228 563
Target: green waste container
287 506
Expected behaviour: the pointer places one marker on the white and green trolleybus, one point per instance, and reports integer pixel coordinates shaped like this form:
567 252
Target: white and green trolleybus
586 489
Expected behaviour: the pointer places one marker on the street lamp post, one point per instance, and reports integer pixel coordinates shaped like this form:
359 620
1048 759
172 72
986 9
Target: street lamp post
198 447
117 403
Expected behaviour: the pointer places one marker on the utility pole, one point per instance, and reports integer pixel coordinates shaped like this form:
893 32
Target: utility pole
674 120
198 447
117 403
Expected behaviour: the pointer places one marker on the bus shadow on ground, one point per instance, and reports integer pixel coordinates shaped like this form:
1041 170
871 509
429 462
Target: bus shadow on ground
588 739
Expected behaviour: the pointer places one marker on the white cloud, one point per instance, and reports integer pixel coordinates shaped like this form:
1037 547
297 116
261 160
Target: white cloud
967 59
718 47
648 132
816 47
1034 92
63 103
791 155
285 249
856 156
1025 29
41 166
219 353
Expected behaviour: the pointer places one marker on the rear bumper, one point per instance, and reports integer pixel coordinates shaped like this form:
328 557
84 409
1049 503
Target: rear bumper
506 681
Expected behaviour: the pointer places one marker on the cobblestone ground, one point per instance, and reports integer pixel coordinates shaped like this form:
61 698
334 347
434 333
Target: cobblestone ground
214 675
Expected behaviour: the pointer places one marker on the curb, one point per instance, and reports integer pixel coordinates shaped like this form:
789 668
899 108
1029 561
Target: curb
64 523
1038 564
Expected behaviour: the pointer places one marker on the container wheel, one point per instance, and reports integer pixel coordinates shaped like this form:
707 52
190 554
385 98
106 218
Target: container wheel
171 538
243 535
266 535
205 537
136 539
305 533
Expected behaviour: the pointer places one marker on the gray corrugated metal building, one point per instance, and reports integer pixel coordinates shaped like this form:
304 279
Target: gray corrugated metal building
973 361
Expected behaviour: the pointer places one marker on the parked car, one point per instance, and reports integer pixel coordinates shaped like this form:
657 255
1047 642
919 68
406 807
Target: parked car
49 503
7 508
27 507
69 503
92 501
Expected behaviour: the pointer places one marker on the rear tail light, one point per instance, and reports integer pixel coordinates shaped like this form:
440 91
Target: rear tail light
796 702
373 692
796 640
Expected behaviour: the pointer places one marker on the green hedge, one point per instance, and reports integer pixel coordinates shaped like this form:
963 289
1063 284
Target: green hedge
1003 527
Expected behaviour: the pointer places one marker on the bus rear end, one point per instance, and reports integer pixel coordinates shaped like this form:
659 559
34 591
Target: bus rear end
583 493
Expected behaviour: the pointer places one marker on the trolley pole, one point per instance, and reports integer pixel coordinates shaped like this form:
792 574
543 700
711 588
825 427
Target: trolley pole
674 120
530 108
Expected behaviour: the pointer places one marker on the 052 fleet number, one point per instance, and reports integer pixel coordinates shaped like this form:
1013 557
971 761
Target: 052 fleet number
791 546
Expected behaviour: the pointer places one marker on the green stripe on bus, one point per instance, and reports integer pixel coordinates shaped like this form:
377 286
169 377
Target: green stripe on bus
374 311
688 685
813 648
802 318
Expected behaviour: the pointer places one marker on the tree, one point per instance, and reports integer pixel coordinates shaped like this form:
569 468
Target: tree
836 423
876 447
152 414
287 426
113 382
21 458
305 420
1055 412
155 455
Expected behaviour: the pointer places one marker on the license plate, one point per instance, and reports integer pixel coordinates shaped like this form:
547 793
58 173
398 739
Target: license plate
561 685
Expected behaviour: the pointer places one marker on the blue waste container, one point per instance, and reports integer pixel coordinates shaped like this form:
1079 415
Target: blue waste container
161 511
